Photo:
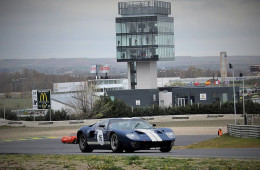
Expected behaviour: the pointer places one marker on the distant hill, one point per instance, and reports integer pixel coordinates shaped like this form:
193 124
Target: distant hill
62 65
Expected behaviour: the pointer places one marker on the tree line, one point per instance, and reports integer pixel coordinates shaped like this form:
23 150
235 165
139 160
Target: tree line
106 108
27 80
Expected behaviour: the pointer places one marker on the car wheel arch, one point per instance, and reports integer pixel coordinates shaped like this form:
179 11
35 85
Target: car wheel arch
78 135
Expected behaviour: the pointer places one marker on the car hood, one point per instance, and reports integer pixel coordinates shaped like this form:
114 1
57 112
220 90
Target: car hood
147 134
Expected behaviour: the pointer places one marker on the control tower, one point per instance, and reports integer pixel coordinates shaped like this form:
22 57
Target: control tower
144 35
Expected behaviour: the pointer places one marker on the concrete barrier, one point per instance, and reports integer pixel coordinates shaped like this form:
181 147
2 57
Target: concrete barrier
244 131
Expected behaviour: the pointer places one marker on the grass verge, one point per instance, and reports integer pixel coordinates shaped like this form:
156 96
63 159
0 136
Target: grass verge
225 141
16 103
41 161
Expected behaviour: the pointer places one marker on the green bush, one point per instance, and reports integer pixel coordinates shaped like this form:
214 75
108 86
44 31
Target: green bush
119 109
9 115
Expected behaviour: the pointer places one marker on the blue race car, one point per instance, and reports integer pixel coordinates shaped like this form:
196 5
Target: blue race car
127 134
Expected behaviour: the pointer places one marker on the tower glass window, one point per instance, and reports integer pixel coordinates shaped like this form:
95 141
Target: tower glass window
144 32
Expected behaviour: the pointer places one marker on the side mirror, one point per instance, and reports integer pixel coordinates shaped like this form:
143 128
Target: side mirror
154 125
102 126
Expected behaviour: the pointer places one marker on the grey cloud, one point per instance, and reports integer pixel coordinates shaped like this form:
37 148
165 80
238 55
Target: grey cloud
80 28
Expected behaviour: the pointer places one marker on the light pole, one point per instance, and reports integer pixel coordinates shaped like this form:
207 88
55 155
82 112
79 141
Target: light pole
234 93
15 80
244 110
162 71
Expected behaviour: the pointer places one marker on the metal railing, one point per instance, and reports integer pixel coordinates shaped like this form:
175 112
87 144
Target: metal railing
244 131
144 7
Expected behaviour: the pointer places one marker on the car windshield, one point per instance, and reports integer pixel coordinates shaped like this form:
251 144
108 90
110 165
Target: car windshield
129 124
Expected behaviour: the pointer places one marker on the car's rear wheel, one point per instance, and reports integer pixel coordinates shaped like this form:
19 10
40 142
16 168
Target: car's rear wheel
74 141
115 144
83 144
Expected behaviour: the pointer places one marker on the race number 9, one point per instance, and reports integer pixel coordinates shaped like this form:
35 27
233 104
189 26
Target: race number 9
100 137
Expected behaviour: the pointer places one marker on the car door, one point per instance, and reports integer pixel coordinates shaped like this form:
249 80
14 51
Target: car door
99 136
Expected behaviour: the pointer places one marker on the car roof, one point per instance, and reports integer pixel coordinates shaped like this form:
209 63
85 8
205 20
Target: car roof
134 118
125 118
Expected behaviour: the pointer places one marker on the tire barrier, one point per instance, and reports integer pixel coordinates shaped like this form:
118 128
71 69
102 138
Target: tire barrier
180 117
244 131
18 123
214 116
147 118
76 122
45 123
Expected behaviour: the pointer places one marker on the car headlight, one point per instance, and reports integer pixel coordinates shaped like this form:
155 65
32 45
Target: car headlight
132 136
170 134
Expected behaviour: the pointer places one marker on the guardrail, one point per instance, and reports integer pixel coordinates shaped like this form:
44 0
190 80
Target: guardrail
180 117
244 131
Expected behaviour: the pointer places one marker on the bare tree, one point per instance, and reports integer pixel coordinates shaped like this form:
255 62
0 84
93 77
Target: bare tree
83 99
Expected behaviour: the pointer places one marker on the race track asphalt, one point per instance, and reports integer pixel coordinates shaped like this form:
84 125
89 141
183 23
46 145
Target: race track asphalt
54 146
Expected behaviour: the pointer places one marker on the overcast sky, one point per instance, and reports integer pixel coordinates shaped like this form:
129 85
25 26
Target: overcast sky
86 28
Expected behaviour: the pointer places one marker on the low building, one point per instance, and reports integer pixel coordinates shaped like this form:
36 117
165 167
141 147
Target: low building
175 96
137 97
181 96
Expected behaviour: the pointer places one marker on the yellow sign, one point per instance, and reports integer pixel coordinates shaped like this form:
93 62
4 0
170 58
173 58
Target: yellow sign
43 96
44 99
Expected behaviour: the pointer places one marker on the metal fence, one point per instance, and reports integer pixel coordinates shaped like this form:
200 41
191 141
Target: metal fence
244 131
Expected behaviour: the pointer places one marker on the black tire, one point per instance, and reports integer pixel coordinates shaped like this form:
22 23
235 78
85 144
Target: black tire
83 144
115 144
74 141
129 150
166 149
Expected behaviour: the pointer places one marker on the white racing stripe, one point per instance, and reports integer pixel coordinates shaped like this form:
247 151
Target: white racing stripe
152 135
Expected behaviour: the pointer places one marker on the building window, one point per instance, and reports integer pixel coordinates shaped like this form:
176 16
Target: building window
138 103
215 97
224 97
149 38
192 98
154 97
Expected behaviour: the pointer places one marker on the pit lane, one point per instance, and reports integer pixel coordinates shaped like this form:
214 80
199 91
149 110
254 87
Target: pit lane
55 146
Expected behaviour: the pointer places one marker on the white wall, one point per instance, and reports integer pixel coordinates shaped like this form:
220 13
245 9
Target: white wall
59 106
165 99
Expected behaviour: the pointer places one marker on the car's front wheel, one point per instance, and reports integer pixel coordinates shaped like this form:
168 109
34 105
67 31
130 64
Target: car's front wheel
115 144
83 145
166 149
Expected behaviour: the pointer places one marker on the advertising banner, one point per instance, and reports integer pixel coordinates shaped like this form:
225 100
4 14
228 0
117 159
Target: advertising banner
34 99
44 99
93 69
105 68
203 96
100 69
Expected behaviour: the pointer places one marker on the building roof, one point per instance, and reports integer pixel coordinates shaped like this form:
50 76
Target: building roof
144 8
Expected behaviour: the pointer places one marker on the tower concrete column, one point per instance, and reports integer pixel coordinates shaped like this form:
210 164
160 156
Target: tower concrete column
146 75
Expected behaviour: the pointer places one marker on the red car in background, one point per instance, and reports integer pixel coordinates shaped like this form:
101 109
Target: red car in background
72 138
